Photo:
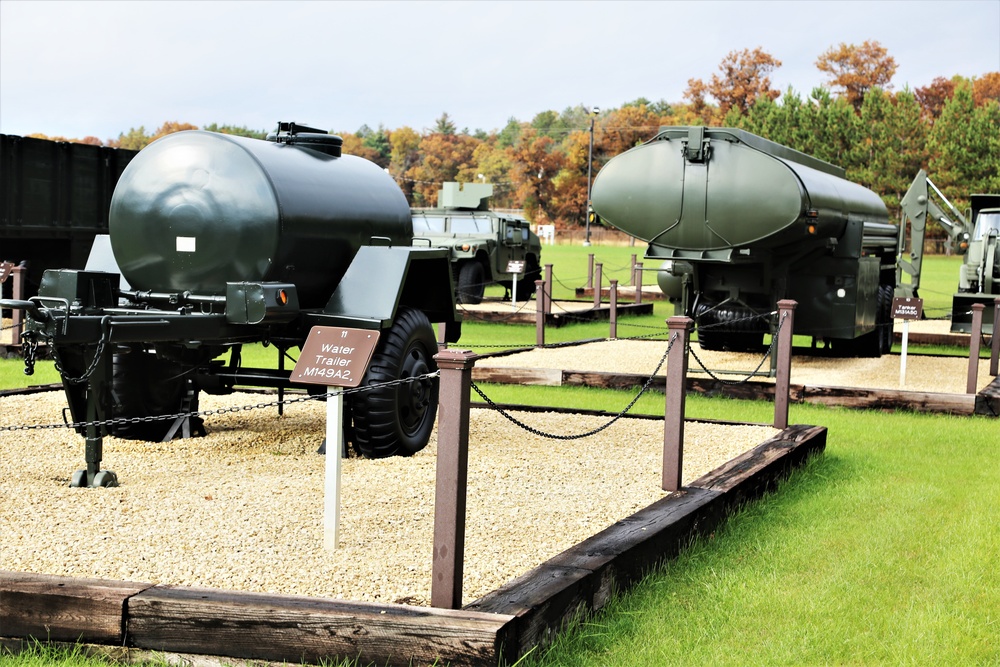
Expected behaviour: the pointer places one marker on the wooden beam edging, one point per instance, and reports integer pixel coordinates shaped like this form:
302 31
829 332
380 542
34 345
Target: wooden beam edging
250 626
582 579
497 629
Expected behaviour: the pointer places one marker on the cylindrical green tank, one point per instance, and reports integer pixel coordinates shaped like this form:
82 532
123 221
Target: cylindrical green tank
734 190
195 210
742 223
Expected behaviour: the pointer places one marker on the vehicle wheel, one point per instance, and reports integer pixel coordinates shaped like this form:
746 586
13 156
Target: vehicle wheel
526 285
471 283
397 421
144 386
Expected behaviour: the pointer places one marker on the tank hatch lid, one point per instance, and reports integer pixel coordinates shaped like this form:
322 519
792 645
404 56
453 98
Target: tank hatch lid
308 137
465 195
758 143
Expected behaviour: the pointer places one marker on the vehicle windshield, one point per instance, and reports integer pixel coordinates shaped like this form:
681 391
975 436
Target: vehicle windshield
428 224
472 225
986 222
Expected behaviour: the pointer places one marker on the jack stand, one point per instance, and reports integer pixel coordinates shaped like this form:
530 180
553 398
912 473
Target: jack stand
187 423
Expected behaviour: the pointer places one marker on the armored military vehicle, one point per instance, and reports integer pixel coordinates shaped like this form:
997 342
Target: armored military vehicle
485 245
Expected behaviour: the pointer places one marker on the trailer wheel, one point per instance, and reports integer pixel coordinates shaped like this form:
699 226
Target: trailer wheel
471 283
397 420
144 386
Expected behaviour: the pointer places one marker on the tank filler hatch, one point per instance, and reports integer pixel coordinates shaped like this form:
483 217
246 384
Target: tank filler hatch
307 137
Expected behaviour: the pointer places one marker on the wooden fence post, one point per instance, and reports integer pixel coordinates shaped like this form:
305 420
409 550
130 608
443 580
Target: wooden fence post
673 415
18 277
613 316
598 282
631 275
974 341
590 270
548 288
782 380
452 477
540 308
995 347
637 281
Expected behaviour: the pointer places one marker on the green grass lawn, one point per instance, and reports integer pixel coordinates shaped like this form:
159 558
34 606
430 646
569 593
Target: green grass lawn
884 551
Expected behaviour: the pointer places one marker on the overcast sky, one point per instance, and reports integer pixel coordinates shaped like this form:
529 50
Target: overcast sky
99 68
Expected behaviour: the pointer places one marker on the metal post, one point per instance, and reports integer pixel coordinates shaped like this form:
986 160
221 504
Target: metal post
614 309
637 281
995 340
590 165
598 282
974 341
540 313
673 415
786 325
590 271
452 477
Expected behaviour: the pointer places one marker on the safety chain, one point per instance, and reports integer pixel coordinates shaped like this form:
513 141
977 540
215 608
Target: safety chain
770 350
29 346
221 411
555 436
105 337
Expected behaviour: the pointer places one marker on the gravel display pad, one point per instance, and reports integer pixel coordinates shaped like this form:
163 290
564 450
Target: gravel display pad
923 373
241 509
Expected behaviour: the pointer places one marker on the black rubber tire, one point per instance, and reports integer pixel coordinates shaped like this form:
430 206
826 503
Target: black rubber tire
526 285
471 283
397 421
144 386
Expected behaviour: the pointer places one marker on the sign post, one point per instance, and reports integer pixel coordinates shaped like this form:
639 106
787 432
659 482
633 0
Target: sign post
906 308
516 267
334 357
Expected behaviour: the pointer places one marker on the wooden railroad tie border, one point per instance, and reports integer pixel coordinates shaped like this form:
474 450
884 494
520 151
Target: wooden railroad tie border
496 629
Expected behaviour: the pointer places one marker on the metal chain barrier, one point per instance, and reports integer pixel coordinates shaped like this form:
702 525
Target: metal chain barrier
768 353
220 411
556 436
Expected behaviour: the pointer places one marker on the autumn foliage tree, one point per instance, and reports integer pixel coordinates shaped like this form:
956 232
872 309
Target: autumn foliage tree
854 70
951 126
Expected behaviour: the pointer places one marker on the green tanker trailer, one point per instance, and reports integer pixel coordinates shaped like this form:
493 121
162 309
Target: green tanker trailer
740 222
222 241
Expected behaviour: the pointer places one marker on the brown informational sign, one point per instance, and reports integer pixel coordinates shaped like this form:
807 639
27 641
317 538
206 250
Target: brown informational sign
515 266
907 308
335 357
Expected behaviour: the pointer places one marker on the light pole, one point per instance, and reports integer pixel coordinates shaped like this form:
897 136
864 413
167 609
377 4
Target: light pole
590 166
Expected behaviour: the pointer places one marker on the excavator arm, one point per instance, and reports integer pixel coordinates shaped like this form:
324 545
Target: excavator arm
923 202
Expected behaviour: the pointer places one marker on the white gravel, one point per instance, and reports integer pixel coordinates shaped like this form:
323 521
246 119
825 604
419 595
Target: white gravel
241 509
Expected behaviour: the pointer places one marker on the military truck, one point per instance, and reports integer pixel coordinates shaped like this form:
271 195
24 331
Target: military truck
740 222
484 245
976 235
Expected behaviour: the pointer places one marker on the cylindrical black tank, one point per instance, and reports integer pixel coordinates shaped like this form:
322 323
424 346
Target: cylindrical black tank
195 210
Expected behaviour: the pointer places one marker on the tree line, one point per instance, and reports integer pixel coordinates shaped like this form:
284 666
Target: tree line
950 127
